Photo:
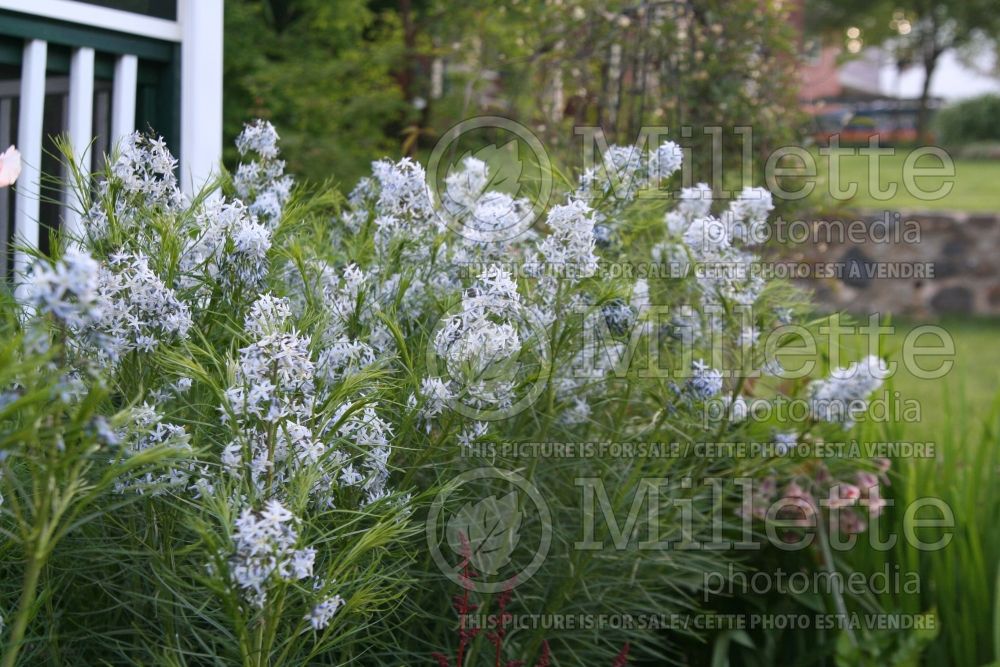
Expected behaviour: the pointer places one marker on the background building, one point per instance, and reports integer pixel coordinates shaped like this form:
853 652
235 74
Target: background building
94 71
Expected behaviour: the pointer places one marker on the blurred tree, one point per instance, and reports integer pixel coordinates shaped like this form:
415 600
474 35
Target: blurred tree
349 81
912 31
322 72
712 65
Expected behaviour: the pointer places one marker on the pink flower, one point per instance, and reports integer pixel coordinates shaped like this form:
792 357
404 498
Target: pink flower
797 506
875 505
851 523
874 500
10 166
883 466
867 480
843 495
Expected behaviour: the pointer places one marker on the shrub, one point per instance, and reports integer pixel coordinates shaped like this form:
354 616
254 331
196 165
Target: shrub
970 121
254 401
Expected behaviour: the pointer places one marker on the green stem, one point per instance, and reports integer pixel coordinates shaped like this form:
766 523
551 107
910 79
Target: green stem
37 547
732 399
838 598
27 601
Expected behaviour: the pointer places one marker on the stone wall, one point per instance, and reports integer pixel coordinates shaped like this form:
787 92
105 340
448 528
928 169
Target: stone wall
918 264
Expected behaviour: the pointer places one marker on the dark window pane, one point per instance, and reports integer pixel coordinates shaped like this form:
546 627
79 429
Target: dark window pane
53 170
163 9
8 134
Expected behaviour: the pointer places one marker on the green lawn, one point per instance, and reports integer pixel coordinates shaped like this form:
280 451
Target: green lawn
964 398
975 185
966 392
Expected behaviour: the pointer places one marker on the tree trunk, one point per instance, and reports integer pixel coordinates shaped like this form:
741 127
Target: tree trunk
931 55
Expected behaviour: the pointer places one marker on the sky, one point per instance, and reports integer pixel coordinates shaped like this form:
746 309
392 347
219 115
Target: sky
952 79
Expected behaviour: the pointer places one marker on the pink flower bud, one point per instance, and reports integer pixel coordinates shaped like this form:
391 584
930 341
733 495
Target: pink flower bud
867 480
10 166
843 495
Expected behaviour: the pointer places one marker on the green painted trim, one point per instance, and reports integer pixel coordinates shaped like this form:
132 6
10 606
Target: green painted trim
11 51
57 59
104 66
15 24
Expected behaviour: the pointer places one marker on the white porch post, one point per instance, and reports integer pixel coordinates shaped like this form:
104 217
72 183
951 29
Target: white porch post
6 139
81 124
201 90
29 142
123 94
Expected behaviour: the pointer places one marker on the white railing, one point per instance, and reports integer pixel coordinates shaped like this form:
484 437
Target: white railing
198 31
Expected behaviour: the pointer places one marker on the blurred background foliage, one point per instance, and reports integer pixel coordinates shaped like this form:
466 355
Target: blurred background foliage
970 121
321 71
355 80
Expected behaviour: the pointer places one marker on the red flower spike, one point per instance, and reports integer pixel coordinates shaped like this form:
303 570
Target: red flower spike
622 658
543 659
